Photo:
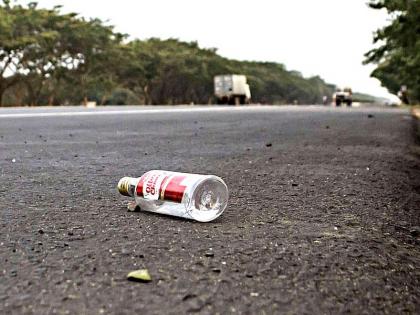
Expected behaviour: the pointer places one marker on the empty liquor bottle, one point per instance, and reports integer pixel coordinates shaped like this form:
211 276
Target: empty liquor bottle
199 197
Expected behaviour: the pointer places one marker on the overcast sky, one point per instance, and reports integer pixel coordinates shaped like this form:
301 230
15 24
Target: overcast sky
316 37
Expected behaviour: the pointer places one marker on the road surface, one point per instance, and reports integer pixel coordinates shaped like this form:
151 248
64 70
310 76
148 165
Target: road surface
323 215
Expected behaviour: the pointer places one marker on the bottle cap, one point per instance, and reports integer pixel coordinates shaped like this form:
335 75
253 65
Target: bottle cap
123 186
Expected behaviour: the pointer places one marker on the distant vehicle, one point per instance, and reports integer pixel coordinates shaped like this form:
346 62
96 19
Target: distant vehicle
231 89
391 104
403 95
343 96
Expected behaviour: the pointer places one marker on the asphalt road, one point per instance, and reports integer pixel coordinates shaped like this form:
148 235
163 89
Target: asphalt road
323 215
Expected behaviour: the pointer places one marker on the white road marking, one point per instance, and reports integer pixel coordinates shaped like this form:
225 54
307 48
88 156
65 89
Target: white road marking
135 111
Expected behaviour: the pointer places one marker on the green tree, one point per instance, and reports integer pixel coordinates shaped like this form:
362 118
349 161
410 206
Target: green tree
138 69
13 40
39 46
397 55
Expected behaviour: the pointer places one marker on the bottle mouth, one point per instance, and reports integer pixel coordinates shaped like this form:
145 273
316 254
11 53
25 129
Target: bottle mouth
209 199
123 186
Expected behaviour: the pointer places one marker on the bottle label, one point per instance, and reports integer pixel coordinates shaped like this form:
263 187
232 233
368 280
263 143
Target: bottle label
164 185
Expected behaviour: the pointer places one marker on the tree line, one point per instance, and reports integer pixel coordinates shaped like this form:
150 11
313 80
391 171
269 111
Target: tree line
397 51
48 57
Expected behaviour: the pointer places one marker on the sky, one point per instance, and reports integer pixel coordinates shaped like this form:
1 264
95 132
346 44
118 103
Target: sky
315 37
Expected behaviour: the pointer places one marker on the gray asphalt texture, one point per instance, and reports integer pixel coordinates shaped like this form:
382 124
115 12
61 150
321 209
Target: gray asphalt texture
323 215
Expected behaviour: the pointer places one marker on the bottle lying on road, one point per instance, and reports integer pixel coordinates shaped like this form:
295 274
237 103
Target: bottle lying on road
199 197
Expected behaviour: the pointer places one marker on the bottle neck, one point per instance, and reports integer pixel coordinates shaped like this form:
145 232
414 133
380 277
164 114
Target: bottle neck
127 186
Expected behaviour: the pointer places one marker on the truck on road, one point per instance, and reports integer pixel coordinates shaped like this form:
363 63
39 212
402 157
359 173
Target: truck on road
343 96
231 89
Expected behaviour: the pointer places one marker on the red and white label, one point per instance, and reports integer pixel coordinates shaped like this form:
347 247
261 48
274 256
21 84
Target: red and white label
164 185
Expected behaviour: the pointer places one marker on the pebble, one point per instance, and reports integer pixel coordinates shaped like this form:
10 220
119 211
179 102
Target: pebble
415 231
